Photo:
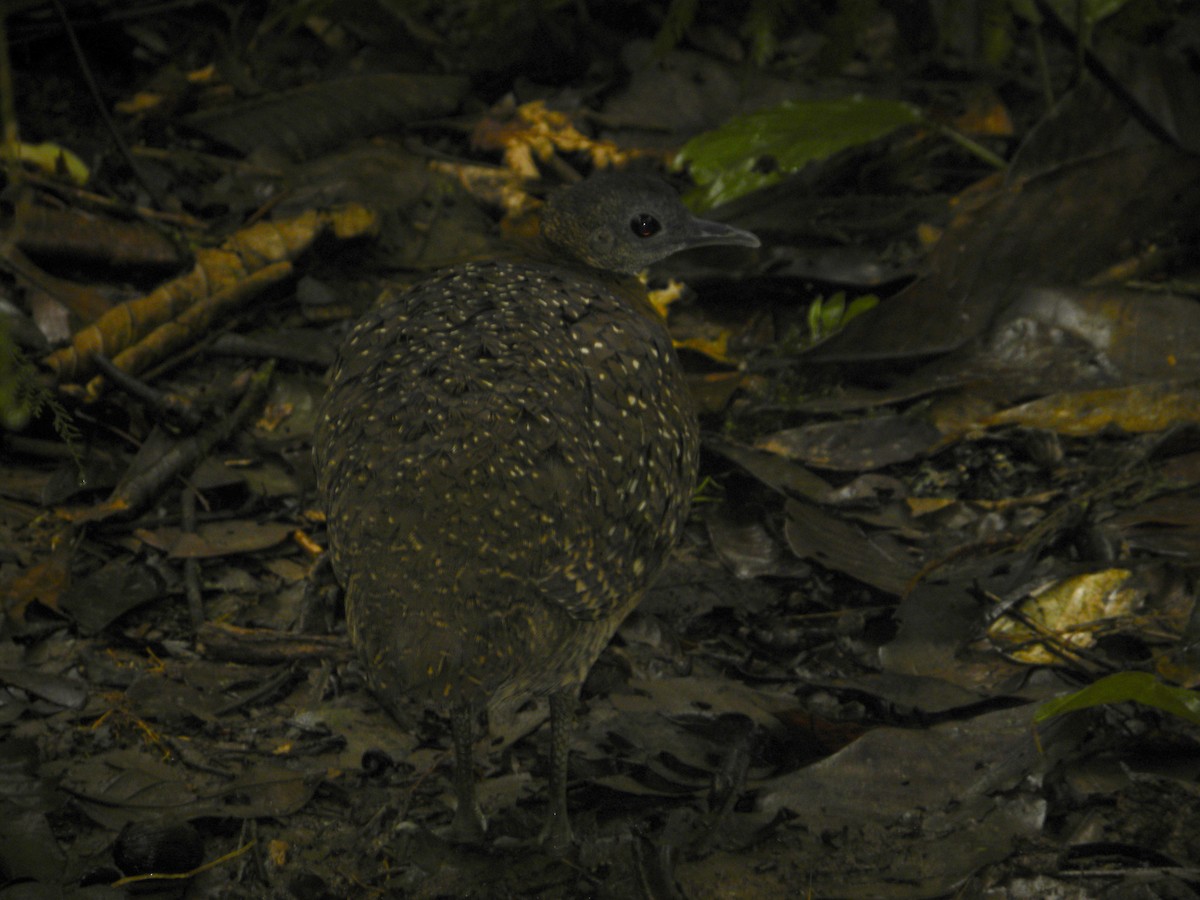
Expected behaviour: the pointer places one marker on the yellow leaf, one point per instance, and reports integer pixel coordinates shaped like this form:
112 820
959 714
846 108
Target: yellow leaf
51 158
1136 409
1068 614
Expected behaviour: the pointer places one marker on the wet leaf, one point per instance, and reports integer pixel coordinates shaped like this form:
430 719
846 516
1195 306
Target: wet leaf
1009 237
111 591
70 693
1141 687
950 762
854 445
28 848
752 151
743 543
773 470
876 558
307 120
51 233
170 703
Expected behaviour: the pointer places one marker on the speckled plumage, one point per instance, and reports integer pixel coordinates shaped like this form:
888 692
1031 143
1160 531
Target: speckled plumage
507 453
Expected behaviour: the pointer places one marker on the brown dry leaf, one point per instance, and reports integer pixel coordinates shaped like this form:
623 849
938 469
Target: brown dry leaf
39 285
1164 525
307 121
875 558
964 774
118 785
67 692
83 237
216 538
287 569
985 114
1132 336
191 324
712 391
693 721
217 269
99 598
1136 409
855 444
932 506
1071 611
42 582
1010 236
774 471
923 506
744 543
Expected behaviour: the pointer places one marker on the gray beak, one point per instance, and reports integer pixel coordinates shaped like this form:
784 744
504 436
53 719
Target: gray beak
705 233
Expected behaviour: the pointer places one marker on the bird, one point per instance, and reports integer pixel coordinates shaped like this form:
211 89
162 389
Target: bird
507 453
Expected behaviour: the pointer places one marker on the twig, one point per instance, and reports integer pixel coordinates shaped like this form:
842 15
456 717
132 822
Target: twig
191 565
163 407
183 876
102 106
131 496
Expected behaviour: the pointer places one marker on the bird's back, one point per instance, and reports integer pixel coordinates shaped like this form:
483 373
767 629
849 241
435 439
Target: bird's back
508 452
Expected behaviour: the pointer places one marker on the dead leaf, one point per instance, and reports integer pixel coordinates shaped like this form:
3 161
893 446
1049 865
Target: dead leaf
1136 409
1071 612
216 538
256 247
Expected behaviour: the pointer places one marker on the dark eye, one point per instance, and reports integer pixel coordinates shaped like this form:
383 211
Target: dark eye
645 225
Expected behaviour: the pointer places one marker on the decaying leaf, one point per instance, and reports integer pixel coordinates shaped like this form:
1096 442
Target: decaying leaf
531 133
1135 409
216 538
217 269
1069 613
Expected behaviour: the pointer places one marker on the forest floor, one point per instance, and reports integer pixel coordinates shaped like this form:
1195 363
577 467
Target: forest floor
918 524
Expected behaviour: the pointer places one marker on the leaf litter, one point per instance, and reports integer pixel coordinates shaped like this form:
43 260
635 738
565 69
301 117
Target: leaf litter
973 497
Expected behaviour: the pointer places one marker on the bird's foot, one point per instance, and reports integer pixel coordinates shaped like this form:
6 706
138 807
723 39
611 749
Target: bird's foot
469 826
557 838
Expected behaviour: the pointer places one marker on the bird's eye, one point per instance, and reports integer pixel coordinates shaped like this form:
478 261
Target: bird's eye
645 225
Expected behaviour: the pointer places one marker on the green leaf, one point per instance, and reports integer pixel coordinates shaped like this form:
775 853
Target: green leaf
825 316
859 306
1141 687
749 152
832 312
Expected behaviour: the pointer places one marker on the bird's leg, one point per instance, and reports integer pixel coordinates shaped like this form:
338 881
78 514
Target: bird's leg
469 825
556 835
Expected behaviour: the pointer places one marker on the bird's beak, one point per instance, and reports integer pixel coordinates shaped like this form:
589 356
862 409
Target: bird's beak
705 233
